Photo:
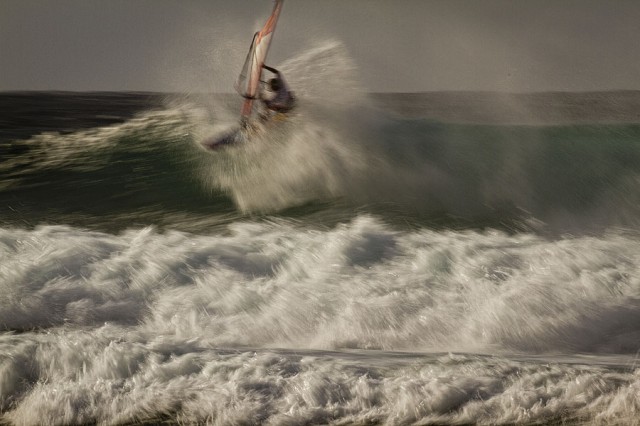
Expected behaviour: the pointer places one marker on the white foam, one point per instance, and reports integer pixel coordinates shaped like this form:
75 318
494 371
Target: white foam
127 382
315 154
130 327
360 285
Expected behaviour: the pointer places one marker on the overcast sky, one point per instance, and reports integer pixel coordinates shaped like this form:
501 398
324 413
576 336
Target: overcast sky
398 45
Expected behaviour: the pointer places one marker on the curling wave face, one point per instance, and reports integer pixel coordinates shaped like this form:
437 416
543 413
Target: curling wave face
339 150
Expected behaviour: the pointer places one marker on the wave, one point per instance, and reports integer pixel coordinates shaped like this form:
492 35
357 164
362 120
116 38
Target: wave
284 323
361 285
110 381
350 266
341 145
340 150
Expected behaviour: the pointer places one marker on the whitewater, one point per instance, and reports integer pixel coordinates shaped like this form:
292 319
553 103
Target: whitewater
372 260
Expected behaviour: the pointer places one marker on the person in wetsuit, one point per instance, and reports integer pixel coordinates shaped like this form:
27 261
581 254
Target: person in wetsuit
277 97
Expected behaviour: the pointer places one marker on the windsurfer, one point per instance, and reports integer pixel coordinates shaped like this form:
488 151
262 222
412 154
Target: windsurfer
277 96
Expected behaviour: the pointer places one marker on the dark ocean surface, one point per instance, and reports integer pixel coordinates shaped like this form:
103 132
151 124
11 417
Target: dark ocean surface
431 258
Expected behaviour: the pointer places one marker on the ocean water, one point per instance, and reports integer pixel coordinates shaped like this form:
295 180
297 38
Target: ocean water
448 258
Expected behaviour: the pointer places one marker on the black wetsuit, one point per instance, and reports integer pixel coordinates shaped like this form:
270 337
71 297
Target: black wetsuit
281 100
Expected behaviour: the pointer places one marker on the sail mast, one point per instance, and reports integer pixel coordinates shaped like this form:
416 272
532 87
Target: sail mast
248 82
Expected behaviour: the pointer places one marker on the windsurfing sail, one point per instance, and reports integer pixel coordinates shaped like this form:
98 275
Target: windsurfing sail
248 82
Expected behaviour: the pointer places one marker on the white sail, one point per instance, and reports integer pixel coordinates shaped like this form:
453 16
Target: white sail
248 82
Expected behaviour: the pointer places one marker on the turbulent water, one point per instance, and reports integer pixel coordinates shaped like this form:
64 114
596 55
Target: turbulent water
388 259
